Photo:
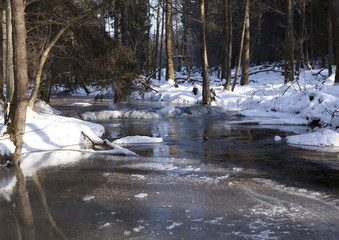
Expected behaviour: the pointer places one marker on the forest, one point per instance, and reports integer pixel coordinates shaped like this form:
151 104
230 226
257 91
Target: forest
120 44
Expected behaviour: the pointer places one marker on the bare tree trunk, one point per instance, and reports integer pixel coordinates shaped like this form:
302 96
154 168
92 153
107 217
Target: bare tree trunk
330 46
240 51
289 42
156 48
246 52
258 36
20 100
206 95
225 41
333 5
9 51
169 44
161 37
302 31
312 36
184 40
4 50
229 54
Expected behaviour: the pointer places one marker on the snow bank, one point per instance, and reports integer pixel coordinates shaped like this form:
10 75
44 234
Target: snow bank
326 140
310 101
51 132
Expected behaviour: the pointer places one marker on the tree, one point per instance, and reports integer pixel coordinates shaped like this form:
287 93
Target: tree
229 43
169 44
206 95
246 51
19 103
289 42
330 45
156 48
45 52
9 68
333 6
4 54
241 48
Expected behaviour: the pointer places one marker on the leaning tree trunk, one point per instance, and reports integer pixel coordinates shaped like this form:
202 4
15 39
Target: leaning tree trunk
289 42
240 52
169 39
246 51
19 103
206 95
333 6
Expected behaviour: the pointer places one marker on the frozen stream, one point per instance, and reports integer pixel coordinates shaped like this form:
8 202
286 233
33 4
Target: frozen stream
209 179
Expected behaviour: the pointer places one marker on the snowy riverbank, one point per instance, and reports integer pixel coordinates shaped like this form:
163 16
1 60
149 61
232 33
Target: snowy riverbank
313 100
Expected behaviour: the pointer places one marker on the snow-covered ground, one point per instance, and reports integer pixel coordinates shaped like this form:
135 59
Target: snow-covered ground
313 100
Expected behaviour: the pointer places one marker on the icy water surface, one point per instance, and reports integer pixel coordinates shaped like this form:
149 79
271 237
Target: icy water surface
209 179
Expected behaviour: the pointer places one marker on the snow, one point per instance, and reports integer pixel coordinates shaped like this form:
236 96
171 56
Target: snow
313 100
141 195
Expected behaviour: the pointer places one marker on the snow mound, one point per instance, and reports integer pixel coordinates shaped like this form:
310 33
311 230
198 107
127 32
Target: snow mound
324 138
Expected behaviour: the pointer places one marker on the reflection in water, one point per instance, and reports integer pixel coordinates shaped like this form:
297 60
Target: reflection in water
22 212
53 226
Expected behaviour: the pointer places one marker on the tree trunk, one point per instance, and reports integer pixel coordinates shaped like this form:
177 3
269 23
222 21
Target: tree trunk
20 100
330 46
246 52
289 42
9 52
334 12
156 48
169 39
4 50
225 41
161 37
229 53
184 39
206 95
40 67
312 36
240 51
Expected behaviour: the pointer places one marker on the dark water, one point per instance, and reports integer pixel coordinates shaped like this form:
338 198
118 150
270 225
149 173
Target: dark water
209 179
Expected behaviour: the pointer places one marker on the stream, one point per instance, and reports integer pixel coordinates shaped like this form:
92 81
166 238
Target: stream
208 179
